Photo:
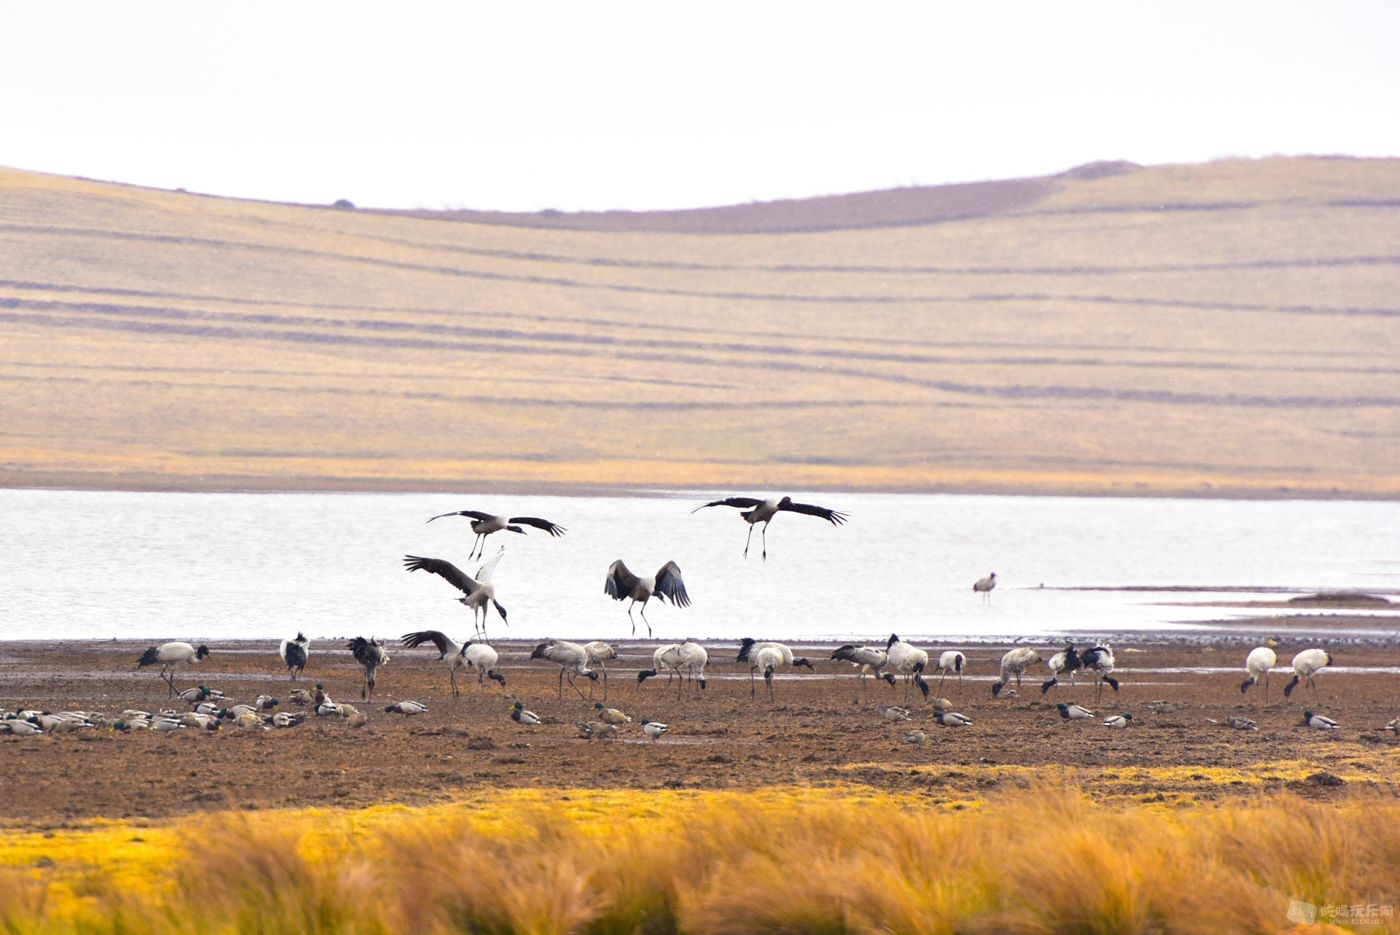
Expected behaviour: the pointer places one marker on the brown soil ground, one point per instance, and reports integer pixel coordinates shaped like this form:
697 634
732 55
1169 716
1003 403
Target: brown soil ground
818 731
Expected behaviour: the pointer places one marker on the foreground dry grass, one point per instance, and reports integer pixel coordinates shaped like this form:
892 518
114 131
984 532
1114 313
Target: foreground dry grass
1041 859
1187 329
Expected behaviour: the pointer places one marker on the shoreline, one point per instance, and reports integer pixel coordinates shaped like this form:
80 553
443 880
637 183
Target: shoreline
1124 489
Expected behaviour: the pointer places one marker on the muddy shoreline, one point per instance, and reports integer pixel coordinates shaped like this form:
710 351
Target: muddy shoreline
822 728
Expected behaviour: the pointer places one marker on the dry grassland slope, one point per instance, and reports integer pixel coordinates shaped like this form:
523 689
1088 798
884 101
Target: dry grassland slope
1229 327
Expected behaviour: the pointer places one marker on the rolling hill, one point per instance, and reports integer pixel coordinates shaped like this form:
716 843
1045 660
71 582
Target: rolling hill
1227 328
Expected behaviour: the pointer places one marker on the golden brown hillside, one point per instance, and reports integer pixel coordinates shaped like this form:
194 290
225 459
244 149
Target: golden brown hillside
1230 327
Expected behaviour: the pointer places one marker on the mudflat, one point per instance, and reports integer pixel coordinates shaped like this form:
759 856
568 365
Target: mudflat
822 728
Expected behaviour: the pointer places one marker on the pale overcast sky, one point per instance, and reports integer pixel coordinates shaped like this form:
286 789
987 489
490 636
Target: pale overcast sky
580 105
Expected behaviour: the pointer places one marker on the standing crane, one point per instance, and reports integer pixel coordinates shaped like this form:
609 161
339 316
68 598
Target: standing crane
1258 663
370 654
294 653
767 656
1306 665
571 658
471 655
170 655
984 587
910 660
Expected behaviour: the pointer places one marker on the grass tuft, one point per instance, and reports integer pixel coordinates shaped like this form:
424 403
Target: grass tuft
1044 859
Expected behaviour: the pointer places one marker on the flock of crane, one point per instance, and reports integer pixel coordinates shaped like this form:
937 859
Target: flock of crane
687 660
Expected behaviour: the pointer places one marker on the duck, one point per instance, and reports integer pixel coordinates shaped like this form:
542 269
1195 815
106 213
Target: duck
610 715
299 696
520 715
1319 721
406 707
249 719
199 693
915 737
653 729
1117 720
1073 712
596 730
1236 722
951 719
896 713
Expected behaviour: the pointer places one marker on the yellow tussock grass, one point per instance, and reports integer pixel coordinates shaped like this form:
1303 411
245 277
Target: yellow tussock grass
1043 859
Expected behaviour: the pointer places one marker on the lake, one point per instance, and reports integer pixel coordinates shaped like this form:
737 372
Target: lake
97 565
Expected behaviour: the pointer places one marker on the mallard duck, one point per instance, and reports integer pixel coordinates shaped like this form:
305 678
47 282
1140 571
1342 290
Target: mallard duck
653 729
522 716
1319 721
952 719
199 693
1117 720
1073 712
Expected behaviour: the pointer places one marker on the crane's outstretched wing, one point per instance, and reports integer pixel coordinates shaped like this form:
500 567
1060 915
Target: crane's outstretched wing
453 575
670 586
474 514
835 517
620 582
743 503
426 636
554 529
485 569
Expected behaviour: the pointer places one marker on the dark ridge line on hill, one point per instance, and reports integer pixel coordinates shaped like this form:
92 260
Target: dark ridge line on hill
888 208
647 223
1012 392
573 338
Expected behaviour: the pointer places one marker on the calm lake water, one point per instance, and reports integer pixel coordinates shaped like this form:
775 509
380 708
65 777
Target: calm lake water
250 566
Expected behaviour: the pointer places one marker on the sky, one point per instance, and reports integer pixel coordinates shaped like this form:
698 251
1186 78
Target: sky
583 105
